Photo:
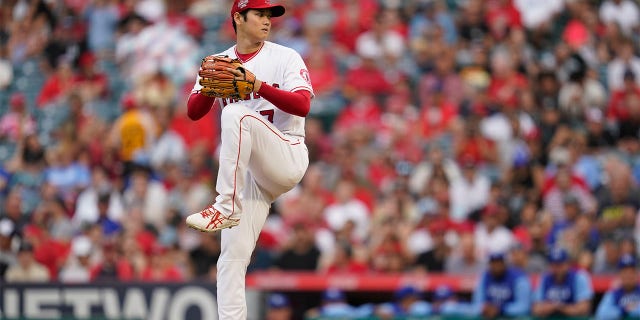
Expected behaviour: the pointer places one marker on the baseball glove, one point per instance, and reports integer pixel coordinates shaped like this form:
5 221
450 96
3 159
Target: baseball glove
224 77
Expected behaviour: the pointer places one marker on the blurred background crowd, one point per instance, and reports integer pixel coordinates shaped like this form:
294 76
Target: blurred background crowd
440 131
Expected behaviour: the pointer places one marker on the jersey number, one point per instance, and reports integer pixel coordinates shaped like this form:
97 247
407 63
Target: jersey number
268 113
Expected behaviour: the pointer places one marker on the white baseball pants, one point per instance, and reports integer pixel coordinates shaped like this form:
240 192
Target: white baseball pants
258 163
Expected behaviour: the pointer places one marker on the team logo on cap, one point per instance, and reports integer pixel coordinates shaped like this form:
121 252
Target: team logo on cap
243 3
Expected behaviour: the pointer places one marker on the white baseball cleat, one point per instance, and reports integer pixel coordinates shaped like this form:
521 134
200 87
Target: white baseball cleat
210 220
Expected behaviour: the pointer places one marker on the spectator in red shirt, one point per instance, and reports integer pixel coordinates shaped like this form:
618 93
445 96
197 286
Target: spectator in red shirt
388 255
354 18
365 78
471 144
382 171
58 85
437 115
506 83
49 252
90 83
362 113
344 262
397 133
583 18
113 266
322 66
501 16
161 266
618 104
199 136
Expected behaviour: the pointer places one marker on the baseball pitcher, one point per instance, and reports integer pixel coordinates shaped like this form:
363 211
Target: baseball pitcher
265 93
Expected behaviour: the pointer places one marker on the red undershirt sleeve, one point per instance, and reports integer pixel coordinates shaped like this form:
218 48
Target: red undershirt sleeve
198 105
297 103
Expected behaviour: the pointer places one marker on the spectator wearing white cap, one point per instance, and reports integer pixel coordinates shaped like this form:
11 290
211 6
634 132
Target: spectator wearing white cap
78 266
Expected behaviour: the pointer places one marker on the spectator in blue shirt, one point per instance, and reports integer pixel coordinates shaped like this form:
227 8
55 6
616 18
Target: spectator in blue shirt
562 291
334 304
502 290
444 300
110 227
623 299
278 307
407 302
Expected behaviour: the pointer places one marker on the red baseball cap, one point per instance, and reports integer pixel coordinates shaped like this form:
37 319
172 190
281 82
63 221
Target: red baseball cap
87 59
17 100
242 5
129 101
491 210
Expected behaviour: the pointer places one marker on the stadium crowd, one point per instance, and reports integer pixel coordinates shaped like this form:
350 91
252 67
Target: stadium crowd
441 131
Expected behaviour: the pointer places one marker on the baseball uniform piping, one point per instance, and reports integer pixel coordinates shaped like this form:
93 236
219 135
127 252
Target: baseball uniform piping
298 88
253 55
235 173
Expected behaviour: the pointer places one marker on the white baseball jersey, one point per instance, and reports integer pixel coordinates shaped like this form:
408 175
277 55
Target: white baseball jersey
282 68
